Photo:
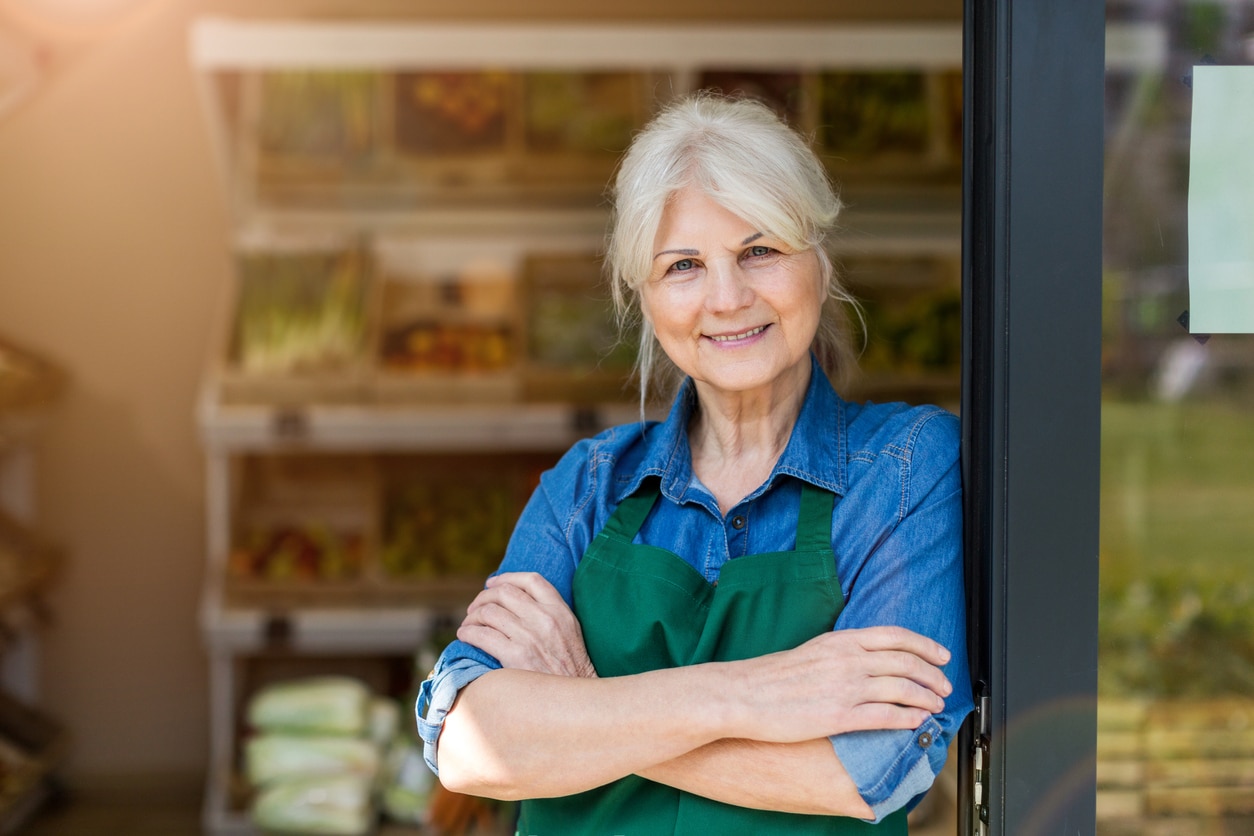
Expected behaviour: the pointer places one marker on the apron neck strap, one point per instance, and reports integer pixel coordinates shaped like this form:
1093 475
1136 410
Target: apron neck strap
624 524
814 520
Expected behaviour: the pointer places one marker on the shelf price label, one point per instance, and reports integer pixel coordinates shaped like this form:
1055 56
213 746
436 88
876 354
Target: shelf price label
290 423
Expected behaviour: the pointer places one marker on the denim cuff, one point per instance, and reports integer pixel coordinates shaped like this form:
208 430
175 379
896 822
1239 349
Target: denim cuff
893 767
436 697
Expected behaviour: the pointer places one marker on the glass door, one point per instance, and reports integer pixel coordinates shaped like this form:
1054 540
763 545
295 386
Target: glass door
1175 749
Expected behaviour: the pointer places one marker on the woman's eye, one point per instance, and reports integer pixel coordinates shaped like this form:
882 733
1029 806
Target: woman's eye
758 251
683 265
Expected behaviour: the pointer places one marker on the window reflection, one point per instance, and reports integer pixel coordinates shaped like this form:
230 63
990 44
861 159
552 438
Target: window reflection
1176 677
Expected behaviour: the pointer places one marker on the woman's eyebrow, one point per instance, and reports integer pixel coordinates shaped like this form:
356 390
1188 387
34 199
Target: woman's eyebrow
755 236
677 252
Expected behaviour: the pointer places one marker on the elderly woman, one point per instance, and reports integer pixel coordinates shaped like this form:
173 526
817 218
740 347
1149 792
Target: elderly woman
747 618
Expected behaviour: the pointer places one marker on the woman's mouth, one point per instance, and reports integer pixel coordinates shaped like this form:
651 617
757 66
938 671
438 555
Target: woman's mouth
743 335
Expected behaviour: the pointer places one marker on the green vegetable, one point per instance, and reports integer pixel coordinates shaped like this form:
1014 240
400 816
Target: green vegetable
339 806
385 721
315 705
407 782
270 757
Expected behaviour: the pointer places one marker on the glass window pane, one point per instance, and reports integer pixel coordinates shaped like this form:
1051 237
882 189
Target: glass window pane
1176 675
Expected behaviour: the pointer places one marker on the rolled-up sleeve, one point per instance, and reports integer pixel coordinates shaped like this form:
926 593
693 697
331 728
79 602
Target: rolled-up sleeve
912 577
893 768
459 665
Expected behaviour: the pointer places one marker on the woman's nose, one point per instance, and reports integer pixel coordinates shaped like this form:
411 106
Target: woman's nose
728 287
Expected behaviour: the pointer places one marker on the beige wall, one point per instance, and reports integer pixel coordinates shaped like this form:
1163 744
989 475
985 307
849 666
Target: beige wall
112 258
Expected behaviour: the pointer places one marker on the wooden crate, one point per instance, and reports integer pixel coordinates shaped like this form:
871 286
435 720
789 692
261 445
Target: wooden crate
297 324
448 321
573 349
446 520
326 506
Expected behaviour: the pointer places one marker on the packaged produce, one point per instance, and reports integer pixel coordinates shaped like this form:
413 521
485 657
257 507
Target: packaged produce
300 311
271 757
339 805
315 705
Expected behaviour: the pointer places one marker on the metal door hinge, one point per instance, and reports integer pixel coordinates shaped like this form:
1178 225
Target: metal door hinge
980 765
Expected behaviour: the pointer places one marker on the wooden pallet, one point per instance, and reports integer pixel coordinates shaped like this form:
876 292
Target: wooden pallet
1175 759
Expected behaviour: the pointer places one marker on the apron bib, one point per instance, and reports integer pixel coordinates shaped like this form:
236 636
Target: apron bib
643 608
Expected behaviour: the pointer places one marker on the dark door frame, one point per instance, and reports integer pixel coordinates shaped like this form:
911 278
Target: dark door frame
1032 221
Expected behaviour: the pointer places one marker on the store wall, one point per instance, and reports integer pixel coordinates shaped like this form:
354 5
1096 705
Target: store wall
113 234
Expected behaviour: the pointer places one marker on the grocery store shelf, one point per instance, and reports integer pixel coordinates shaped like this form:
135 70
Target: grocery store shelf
380 428
362 629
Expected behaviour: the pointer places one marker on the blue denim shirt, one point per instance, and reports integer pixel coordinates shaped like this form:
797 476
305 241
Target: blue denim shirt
896 532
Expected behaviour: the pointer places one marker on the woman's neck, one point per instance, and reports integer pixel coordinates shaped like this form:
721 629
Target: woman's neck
737 437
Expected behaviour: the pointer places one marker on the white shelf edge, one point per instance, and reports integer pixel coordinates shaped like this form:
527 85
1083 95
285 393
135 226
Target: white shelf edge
491 427
225 44
363 630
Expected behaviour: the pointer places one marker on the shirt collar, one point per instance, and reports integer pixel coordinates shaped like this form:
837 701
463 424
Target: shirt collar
816 451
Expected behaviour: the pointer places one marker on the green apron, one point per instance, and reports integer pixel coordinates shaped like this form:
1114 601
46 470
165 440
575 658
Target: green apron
644 608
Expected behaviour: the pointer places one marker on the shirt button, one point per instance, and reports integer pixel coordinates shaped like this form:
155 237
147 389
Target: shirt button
738 522
925 740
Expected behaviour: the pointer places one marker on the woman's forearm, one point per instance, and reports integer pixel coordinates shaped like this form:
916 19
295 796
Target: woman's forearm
518 734
802 777
522 734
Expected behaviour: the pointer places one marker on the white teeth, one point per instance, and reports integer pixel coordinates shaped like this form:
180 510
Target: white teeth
735 337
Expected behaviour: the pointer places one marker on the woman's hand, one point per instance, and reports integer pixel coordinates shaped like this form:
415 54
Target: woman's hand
523 621
845 680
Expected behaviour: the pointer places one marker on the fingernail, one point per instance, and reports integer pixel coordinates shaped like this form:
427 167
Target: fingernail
944 655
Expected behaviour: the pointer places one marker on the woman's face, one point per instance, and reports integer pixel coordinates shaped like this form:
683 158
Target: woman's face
731 306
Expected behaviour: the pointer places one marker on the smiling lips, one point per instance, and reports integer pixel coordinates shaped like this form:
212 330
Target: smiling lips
733 338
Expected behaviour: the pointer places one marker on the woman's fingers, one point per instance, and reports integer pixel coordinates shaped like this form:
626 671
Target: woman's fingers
899 638
532 583
848 680
523 621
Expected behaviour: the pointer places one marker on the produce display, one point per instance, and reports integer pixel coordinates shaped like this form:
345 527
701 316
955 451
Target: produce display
570 319
451 113
329 704
300 312
336 805
919 334
455 526
326 114
435 346
581 112
312 551
312 758
872 113
326 755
